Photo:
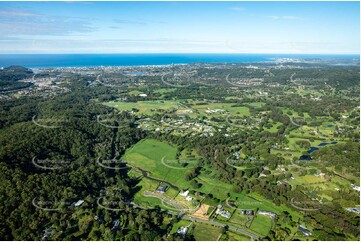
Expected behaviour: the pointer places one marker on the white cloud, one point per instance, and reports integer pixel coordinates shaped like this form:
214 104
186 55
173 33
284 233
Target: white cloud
17 22
17 13
237 9
138 21
286 17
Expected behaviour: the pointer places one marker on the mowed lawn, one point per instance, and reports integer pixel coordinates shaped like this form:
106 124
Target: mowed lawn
261 224
211 185
206 232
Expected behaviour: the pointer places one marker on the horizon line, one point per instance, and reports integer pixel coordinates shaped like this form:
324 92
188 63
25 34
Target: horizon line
179 53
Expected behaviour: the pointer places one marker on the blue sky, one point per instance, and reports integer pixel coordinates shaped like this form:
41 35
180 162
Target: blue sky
180 27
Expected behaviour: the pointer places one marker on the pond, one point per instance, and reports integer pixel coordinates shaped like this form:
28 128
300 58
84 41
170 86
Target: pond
323 144
312 149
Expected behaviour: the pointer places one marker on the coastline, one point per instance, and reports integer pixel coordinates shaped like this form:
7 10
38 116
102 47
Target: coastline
146 60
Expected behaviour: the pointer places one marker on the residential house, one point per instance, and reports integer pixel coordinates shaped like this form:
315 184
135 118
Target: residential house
304 230
78 203
162 189
184 194
222 212
267 213
182 231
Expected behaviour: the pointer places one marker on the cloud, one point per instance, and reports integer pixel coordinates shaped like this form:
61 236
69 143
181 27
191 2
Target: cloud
290 17
286 17
123 21
114 27
71 45
237 9
138 21
9 13
18 22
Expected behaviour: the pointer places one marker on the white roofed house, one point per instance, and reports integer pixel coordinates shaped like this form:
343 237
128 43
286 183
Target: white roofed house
267 213
184 194
182 231
78 203
222 212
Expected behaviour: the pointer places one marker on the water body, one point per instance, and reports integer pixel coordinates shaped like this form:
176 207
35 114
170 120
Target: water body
81 60
312 149
323 144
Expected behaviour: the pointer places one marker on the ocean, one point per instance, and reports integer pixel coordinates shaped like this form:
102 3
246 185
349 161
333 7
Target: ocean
81 60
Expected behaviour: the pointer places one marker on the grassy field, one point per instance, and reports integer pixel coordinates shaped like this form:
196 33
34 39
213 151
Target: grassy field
261 224
149 107
306 180
144 107
274 127
148 154
164 90
206 232
149 185
201 231
238 219
233 236
254 200
134 92
239 111
213 186
180 223
256 104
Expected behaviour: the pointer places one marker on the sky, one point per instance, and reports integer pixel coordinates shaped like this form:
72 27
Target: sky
180 27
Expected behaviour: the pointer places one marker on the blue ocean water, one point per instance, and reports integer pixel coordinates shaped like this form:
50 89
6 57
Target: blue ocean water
80 60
